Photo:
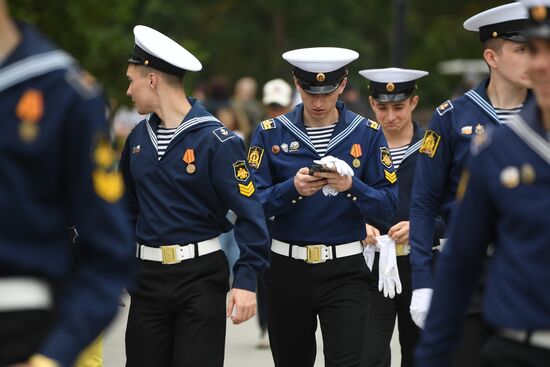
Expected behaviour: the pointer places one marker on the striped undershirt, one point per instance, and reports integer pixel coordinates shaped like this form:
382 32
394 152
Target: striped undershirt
320 137
397 155
506 114
164 136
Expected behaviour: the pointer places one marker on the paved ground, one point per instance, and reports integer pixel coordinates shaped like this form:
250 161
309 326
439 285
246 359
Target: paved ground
240 345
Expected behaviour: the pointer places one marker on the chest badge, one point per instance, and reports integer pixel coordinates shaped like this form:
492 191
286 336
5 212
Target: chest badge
189 158
136 149
30 110
254 158
466 130
356 153
480 129
528 175
275 149
294 146
284 147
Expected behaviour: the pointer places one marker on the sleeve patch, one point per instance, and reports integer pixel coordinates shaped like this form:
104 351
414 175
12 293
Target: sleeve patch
223 134
444 107
430 143
247 190
268 124
255 155
108 182
385 157
390 176
373 125
240 171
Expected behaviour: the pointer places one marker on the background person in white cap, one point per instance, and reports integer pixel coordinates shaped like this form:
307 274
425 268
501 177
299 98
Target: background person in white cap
393 100
184 170
277 98
505 201
444 152
57 165
317 265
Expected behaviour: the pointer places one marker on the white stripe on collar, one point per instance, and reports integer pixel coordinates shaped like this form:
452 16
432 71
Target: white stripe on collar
530 137
345 133
477 99
412 149
33 66
296 131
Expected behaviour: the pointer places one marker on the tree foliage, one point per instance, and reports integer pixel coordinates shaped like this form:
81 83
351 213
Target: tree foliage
247 37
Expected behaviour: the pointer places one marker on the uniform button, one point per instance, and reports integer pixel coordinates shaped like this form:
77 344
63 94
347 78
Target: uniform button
293 201
354 198
349 195
300 198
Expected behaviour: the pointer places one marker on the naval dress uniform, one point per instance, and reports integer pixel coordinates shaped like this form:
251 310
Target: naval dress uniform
443 153
507 201
317 269
57 167
178 203
394 85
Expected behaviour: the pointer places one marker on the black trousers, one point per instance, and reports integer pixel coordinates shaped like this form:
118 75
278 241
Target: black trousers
381 321
261 302
475 333
177 314
336 291
22 334
501 352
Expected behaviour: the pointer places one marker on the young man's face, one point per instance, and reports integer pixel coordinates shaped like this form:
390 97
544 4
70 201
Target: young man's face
512 59
139 89
539 71
319 107
394 116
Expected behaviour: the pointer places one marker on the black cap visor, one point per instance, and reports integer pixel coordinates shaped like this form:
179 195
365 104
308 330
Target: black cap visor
318 89
391 98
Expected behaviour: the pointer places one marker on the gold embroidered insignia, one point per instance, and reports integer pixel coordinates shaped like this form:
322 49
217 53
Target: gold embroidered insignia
444 107
430 143
240 171
466 130
268 124
255 155
247 190
373 124
385 157
390 176
462 185
108 182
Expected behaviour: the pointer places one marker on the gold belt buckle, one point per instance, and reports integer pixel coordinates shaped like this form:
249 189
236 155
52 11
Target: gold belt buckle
169 254
401 249
314 254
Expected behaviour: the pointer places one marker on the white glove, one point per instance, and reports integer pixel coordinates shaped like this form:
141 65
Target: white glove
336 164
339 166
369 252
388 273
420 305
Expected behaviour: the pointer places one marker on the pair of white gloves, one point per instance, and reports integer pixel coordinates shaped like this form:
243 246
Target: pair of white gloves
389 282
388 273
334 164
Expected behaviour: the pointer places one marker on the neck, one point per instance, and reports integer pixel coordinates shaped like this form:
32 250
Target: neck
9 35
399 138
173 108
328 119
504 94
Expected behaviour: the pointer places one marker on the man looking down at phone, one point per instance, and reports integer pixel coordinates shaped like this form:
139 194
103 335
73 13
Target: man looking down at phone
317 264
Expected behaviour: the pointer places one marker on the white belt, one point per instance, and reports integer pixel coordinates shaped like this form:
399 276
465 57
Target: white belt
404 249
537 338
21 293
174 254
315 254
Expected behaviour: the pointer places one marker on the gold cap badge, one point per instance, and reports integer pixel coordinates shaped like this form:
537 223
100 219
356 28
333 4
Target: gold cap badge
539 13
390 87
320 77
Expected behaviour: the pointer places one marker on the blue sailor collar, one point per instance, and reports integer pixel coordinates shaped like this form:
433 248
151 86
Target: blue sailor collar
347 123
33 56
480 98
415 143
531 114
197 117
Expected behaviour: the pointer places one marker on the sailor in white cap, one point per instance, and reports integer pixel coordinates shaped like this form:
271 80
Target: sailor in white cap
505 201
393 100
445 150
319 212
183 171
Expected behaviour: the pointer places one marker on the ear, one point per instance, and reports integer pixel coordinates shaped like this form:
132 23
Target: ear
153 80
372 103
490 57
342 85
414 102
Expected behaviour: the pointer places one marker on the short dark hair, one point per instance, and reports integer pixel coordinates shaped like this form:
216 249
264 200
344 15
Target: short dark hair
172 80
494 44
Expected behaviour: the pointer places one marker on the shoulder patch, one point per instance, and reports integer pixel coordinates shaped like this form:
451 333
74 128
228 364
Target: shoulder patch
430 143
255 155
83 82
223 134
373 124
268 124
444 107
